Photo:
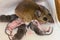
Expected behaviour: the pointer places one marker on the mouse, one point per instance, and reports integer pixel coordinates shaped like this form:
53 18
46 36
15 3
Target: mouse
38 31
20 32
28 10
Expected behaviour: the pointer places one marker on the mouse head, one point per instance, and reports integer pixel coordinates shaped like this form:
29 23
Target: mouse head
43 15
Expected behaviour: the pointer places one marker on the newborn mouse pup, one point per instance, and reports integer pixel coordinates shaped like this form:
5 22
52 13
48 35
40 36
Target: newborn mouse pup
20 32
33 26
8 18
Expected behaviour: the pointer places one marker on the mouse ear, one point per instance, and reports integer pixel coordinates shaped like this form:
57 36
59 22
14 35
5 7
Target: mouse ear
37 13
44 9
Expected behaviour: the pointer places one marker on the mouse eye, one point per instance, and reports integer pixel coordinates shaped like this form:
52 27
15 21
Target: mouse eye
49 14
38 13
45 19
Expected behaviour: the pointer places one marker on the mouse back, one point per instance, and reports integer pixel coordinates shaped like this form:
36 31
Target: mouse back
26 10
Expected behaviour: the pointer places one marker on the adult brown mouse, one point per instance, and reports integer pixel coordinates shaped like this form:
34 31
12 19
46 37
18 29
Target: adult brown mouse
28 10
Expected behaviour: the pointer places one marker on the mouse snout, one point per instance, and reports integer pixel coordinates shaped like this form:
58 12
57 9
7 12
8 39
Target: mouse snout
51 21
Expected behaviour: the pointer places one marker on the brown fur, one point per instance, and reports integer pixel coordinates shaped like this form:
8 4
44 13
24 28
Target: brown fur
26 11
